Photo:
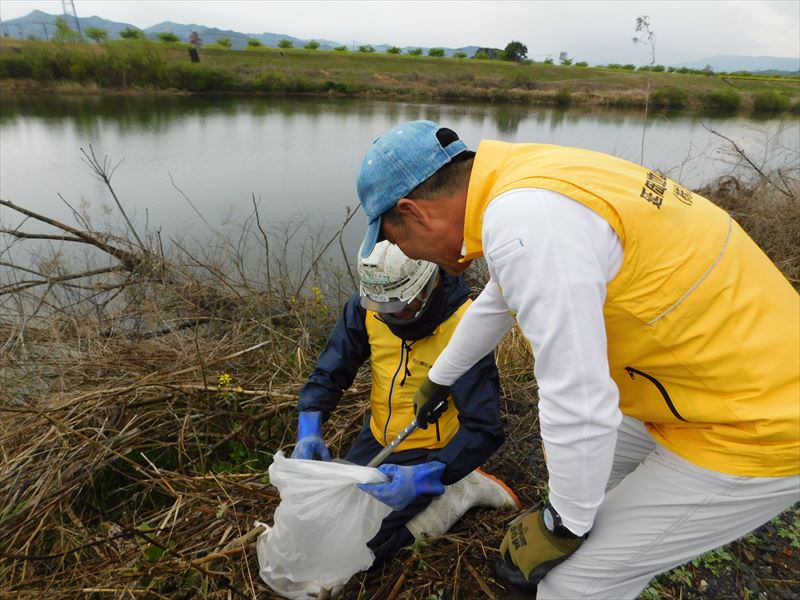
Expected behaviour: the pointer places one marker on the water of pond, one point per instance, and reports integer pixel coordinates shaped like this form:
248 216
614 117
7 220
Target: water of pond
298 158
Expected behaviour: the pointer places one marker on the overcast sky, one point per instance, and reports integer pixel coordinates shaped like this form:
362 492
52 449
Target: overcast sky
599 31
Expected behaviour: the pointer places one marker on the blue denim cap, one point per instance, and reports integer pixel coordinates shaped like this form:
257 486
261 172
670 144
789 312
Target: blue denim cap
397 162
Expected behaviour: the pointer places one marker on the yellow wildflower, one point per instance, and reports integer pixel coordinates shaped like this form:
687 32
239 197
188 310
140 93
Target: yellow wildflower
224 380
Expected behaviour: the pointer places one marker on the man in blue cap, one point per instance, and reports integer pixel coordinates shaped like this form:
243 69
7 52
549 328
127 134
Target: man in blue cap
666 347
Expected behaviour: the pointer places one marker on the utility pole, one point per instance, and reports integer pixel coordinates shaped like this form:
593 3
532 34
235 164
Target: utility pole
68 8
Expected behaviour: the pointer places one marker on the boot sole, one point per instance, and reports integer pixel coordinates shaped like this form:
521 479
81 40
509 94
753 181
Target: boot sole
501 483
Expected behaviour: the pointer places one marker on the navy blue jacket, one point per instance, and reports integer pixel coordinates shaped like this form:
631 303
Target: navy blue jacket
476 393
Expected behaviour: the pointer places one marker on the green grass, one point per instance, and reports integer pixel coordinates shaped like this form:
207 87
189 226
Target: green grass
153 65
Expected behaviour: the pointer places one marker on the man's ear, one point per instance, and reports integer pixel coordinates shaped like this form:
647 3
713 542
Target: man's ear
413 211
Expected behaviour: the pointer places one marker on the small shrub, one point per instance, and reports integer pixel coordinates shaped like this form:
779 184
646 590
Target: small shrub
770 100
167 37
563 98
393 50
254 43
284 43
312 45
658 68
723 100
436 52
96 34
131 33
460 55
340 49
334 86
548 61
366 48
670 97
225 42
481 55
582 64
64 33
415 52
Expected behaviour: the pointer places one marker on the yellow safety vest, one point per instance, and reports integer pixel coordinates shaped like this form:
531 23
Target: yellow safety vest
703 330
398 369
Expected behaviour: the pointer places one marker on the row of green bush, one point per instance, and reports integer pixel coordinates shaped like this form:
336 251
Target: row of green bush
139 64
708 71
673 98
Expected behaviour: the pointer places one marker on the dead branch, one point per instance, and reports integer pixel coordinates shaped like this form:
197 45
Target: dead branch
41 236
129 260
319 255
104 172
746 158
24 285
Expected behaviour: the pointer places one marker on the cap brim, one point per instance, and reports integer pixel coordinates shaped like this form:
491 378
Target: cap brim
383 307
372 237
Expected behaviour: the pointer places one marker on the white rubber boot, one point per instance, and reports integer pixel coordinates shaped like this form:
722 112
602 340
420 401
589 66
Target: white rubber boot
476 489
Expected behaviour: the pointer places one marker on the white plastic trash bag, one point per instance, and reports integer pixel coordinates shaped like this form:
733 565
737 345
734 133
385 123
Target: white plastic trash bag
322 526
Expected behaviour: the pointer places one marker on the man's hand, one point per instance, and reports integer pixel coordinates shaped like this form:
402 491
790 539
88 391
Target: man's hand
406 483
534 543
309 437
430 401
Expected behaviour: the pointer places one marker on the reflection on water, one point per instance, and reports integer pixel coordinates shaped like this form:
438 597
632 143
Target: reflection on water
298 157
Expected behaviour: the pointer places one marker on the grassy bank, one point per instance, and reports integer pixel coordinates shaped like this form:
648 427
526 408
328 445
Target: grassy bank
147 66
145 385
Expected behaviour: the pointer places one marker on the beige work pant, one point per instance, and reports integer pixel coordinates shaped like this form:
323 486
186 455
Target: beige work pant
659 512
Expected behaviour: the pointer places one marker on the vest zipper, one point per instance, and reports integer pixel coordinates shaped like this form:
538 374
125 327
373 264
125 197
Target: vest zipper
400 367
661 389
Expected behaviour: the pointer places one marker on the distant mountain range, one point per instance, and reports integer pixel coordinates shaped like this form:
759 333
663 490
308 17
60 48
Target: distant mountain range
41 25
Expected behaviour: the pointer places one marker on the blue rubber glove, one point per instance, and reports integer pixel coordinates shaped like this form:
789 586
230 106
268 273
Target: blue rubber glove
309 437
406 483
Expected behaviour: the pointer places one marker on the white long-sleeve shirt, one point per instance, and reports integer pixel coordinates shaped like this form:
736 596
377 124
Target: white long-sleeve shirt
549 260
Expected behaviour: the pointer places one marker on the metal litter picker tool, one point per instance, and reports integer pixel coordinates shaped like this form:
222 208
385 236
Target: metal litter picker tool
384 454
435 412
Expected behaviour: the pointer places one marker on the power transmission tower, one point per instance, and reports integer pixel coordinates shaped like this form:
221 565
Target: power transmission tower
68 8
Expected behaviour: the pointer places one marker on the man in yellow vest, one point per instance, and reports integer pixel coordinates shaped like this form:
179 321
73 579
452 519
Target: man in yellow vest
666 345
400 320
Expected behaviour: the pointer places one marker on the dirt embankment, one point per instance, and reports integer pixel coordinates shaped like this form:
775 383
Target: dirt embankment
146 67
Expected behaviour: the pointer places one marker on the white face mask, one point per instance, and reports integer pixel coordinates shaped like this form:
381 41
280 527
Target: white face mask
397 316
